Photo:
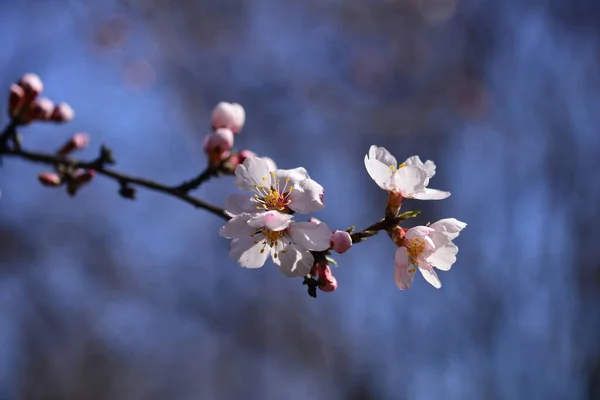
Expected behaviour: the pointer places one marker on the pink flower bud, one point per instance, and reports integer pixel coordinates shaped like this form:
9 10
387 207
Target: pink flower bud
236 159
341 241
16 100
326 280
78 141
62 113
49 179
221 139
244 154
217 145
82 177
32 85
228 115
42 109
315 220
78 180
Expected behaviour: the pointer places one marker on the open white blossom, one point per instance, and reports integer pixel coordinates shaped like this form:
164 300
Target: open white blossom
409 179
258 235
426 247
278 190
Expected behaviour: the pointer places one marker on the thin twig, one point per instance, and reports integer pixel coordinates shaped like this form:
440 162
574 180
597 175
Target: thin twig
122 179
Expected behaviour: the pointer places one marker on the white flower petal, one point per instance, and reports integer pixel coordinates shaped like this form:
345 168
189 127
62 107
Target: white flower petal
431 194
294 261
272 220
383 155
428 166
237 227
443 257
296 175
404 273
380 173
241 203
254 171
451 227
270 163
248 253
310 235
410 180
418 232
431 276
307 197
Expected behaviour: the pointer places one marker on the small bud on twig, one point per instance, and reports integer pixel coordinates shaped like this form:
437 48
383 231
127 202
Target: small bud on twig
78 141
50 179
62 113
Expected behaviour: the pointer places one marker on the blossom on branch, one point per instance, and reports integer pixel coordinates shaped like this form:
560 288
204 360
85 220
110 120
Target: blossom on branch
218 145
408 180
282 190
423 248
258 235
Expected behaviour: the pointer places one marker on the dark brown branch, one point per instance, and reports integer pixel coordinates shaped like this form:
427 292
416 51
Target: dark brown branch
122 179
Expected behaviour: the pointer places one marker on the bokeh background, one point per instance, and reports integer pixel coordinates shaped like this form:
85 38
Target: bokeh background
104 298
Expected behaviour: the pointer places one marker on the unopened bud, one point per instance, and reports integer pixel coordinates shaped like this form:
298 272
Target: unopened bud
340 241
326 280
78 180
393 205
62 113
32 85
315 220
16 100
78 141
236 159
245 154
228 115
217 145
42 109
49 179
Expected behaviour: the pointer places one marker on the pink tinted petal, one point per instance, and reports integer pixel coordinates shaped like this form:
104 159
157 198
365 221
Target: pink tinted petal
404 273
311 236
272 220
418 232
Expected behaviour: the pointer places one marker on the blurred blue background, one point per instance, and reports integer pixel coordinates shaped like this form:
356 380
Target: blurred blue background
104 298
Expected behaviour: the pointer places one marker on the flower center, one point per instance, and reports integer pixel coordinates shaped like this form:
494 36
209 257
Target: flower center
271 238
393 168
276 197
415 247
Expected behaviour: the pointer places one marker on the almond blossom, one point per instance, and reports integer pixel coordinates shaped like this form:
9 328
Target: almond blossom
258 235
282 190
423 248
409 179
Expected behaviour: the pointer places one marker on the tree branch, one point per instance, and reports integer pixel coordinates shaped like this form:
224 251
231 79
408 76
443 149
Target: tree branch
124 180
